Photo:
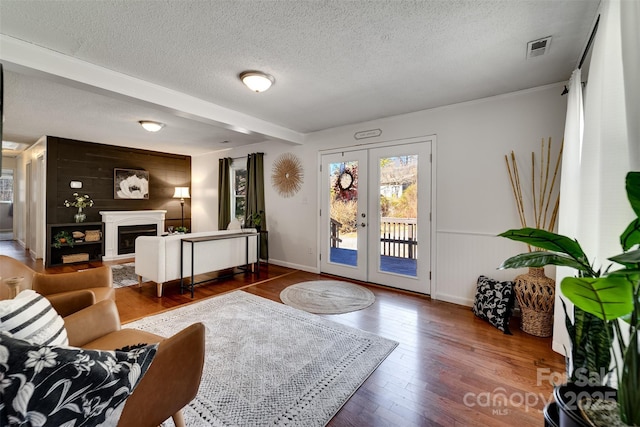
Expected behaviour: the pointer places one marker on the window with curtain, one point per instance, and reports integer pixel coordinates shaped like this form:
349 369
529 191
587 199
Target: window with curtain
238 190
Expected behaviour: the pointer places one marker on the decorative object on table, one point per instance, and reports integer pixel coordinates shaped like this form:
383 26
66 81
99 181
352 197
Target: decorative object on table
327 296
287 174
604 303
182 230
181 193
14 285
130 184
285 378
494 302
535 292
62 237
80 202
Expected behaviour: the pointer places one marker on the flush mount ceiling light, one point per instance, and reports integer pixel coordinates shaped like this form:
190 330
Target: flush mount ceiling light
151 126
257 81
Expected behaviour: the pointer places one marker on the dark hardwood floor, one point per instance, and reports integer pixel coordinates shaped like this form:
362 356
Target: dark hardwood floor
450 369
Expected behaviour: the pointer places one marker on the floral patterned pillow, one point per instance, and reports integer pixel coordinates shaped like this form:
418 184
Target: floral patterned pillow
66 386
494 302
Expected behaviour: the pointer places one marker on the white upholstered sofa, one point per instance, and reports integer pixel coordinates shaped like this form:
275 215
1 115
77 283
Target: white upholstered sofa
158 257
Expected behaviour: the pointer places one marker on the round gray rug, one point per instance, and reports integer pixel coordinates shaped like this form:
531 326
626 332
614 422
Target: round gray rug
327 296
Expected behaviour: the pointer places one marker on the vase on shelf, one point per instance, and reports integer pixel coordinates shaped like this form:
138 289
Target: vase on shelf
80 216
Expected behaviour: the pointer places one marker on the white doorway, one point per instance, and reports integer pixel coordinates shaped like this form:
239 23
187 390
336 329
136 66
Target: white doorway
375 214
7 202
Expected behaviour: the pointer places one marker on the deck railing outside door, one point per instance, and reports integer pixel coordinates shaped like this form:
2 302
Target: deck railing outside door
335 233
398 237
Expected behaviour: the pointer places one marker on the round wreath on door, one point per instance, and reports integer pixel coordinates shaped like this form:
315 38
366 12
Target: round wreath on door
287 174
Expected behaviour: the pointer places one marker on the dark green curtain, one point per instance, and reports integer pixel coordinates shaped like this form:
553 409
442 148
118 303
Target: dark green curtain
224 192
255 197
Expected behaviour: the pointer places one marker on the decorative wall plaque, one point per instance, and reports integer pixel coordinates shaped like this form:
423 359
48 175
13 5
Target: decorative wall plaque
371 133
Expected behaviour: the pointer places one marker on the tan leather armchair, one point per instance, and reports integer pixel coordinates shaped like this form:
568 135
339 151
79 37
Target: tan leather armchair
56 287
173 379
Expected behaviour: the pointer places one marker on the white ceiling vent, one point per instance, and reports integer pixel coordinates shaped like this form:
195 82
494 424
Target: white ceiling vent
538 47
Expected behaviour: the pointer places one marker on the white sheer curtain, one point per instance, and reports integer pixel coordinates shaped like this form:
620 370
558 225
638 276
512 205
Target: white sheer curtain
630 31
571 158
597 204
604 210
570 192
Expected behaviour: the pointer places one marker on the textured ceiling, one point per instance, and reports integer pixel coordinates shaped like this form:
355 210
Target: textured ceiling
335 62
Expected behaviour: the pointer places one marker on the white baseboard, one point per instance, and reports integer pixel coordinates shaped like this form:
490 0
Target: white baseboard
453 299
306 268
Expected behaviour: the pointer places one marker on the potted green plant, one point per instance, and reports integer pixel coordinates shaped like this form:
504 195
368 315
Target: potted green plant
62 238
181 230
600 299
255 220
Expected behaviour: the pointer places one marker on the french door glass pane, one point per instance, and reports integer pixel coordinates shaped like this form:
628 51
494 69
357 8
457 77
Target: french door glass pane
398 212
343 230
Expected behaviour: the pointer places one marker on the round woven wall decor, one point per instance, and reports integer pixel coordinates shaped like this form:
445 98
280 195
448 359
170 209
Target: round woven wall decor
286 176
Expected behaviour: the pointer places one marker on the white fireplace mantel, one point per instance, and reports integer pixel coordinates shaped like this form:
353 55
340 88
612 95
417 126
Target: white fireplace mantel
114 219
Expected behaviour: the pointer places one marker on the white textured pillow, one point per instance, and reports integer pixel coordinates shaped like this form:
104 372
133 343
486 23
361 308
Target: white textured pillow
30 317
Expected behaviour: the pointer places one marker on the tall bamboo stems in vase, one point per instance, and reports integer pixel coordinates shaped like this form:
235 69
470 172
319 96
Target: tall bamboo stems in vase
534 291
542 191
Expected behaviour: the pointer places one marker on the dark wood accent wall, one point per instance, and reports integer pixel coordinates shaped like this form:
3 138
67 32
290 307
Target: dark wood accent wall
93 164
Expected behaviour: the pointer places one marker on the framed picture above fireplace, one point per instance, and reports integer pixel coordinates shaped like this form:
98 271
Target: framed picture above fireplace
130 184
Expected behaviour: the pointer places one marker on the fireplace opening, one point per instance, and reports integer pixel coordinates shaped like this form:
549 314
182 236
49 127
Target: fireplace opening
127 236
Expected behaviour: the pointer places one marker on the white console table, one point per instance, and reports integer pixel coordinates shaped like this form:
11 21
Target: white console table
193 242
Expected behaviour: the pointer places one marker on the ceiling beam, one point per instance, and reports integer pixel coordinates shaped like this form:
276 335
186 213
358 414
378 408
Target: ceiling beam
28 58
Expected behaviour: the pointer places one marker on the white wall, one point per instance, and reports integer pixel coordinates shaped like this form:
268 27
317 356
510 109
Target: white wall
473 195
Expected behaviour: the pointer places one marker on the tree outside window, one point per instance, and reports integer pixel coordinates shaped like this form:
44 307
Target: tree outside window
238 190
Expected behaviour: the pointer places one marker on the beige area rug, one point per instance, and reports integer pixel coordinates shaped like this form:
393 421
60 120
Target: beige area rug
267 364
327 296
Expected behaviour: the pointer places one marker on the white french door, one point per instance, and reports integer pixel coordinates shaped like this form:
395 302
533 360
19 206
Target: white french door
375 215
344 214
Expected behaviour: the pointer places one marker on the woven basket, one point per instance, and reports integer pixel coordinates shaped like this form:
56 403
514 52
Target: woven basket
92 235
535 293
67 259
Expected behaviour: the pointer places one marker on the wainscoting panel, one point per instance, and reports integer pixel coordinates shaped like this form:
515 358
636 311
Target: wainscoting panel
463 256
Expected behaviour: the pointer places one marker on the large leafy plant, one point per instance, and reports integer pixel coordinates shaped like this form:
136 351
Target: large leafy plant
590 336
608 297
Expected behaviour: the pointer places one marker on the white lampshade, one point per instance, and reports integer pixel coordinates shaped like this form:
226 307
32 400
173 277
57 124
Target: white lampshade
257 81
151 126
181 193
